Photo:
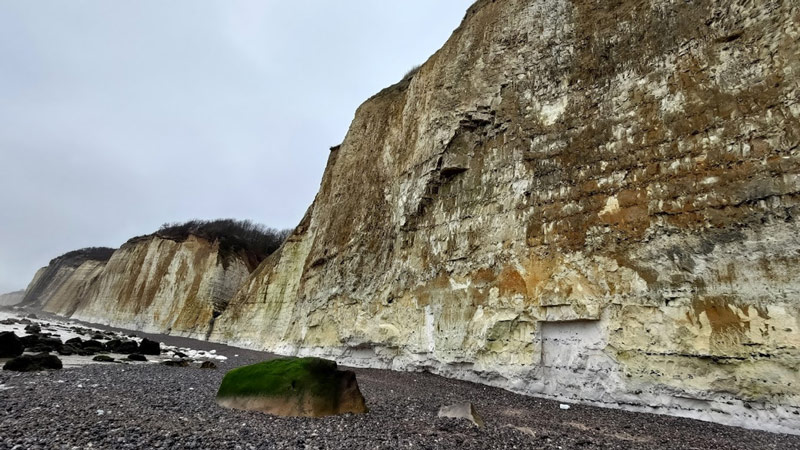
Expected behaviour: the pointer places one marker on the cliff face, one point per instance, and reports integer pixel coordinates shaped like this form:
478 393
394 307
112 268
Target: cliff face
593 201
151 284
165 286
11 298
66 280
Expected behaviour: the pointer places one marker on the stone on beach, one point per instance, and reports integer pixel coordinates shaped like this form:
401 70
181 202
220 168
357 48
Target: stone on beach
33 363
176 363
462 411
45 344
292 387
208 365
124 347
93 345
33 328
148 347
10 345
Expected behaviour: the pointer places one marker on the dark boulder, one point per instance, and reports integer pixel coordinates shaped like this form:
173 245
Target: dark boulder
103 358
33 328
34 363
148 347
29 341
180 354
208 365
137 357
75 347
127 347
10 345
46 344
93 346
68 350
176 363
119 346
113 345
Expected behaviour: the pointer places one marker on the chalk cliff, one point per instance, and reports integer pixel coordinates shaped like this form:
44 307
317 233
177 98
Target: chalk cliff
162 285
66 279
11 298
588 200
175 283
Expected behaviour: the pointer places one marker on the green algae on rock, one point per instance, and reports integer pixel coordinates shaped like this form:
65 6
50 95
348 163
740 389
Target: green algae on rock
295 387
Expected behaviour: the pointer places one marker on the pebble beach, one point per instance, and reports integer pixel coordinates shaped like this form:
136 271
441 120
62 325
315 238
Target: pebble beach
149 405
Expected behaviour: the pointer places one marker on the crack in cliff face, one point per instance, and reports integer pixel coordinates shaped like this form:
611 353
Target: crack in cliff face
458 155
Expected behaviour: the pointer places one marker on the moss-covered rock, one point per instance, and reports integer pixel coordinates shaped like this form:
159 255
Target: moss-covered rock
304 387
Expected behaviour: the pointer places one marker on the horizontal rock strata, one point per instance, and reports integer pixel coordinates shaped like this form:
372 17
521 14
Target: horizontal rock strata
591 201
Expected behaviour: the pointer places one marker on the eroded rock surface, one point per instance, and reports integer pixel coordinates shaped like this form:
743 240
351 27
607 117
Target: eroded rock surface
591 201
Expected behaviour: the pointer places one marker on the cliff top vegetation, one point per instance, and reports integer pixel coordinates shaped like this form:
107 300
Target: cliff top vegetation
77 257
231 234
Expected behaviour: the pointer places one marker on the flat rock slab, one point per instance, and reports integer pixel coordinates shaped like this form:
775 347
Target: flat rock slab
462 411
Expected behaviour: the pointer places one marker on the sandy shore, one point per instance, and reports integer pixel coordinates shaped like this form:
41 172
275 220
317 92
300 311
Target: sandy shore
140 406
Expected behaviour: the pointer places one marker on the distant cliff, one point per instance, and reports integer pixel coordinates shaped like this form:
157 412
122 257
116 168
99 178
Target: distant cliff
66 279
11 298
177 280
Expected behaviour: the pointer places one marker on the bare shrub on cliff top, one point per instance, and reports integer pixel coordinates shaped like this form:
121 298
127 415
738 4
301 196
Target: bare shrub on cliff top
232 235
411 72
85 254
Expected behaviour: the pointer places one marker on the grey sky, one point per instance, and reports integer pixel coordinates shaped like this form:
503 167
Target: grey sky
118 116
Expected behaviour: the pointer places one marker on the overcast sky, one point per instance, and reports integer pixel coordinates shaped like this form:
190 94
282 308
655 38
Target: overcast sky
118 116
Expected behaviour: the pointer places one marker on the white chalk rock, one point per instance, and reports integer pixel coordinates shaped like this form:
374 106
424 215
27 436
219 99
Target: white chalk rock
462 411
